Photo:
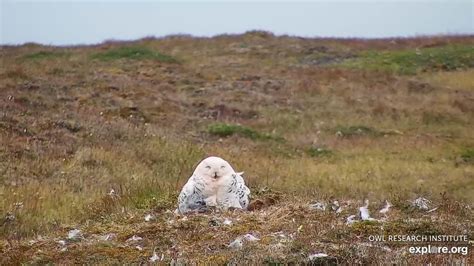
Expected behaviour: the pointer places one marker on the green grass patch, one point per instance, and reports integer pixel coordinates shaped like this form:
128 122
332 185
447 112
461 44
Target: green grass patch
354 131
468 156
133 53
226 130
44 55
447 58
152 198
319 152
366 227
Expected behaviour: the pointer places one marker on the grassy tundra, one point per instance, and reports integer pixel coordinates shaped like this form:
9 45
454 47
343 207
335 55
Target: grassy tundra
96 137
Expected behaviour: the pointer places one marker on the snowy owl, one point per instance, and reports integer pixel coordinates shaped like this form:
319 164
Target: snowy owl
214 183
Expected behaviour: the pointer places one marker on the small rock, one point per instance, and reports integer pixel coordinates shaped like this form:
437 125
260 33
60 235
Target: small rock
236 244
318 206
335 206
421 203
227 222
214 222
239 241
74 234
9 217
149 217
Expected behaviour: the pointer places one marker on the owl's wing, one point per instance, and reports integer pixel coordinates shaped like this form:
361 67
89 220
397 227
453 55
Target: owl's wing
191 197
243 192
234 193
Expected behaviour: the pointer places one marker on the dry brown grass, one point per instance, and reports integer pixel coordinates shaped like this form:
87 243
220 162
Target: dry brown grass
73 126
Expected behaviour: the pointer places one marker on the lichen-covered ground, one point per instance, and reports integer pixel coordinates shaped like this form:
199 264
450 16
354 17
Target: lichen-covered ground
95 138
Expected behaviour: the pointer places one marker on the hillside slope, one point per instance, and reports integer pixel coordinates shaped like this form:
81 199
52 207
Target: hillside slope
96 137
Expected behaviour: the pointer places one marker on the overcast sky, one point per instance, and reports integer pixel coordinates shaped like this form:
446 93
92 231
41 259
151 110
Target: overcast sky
87 22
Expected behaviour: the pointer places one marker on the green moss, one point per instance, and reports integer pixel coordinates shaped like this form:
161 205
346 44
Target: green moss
447 58
150 195
468 156
133 53
366 227
226 130
319 152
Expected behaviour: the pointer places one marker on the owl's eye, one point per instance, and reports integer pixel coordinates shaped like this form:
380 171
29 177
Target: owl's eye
208 167
222 167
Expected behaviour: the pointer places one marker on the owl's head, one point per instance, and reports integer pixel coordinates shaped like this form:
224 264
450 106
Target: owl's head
213 168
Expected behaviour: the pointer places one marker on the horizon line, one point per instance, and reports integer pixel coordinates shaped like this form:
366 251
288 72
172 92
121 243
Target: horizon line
188 35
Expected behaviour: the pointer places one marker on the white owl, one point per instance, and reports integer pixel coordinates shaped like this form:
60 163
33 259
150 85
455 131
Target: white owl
214 183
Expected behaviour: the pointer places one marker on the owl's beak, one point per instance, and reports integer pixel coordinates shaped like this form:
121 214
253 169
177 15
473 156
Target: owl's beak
215 175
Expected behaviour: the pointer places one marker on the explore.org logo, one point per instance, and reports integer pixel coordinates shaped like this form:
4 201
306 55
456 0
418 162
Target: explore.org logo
429 249
428 244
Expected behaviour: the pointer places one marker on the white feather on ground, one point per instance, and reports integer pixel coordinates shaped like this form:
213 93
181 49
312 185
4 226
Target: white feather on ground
336 206
364 212
317 255
108 237
239 241
386 208
236 244
155 257
227 222
250 237
134 238
351 219
318 206
149 217
74 234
